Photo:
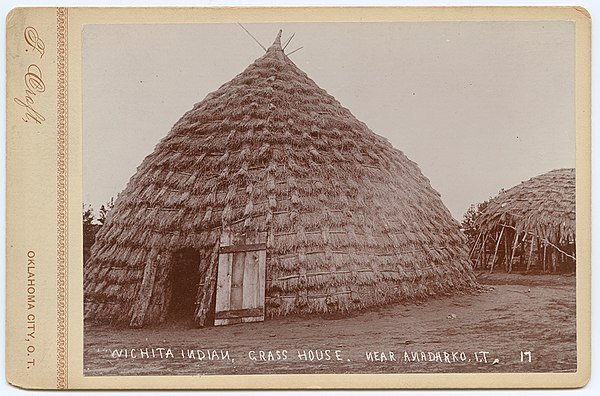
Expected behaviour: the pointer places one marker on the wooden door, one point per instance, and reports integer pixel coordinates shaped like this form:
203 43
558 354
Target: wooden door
240 293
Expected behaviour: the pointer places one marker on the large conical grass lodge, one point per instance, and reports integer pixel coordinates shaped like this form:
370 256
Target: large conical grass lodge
530 226
268 198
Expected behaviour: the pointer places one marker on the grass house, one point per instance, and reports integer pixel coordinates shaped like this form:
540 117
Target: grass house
268 198
530 226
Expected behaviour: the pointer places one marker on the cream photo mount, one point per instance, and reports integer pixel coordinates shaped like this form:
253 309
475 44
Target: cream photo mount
48 116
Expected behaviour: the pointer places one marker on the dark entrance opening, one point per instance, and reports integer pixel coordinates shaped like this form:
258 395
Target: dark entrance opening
185 279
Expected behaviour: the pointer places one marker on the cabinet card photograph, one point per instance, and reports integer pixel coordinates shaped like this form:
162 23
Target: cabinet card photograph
370 198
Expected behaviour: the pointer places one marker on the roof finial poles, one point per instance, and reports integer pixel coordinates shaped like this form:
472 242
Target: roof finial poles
297 49
288 41
276 44
250 34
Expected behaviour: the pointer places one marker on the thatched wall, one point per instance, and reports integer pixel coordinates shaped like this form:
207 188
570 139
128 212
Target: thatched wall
351 221
531 225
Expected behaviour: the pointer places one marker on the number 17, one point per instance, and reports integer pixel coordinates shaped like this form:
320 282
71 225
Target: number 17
524 355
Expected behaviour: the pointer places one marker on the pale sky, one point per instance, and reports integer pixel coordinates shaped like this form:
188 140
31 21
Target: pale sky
479 106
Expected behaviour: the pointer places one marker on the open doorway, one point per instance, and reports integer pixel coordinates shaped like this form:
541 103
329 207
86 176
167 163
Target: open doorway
185 279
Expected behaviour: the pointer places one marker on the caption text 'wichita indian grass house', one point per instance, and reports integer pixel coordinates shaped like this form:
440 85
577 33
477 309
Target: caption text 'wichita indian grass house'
269 198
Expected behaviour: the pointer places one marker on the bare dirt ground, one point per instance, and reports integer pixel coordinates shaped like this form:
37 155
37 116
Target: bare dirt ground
481 332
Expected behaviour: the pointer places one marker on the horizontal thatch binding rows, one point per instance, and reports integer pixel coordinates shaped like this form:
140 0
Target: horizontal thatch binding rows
534 221
351 222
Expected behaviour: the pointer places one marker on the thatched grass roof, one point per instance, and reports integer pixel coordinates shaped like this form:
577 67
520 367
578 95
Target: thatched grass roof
543 205
351 221
534 220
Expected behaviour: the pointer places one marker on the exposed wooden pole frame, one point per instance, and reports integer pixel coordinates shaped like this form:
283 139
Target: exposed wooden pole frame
481 256
522 245
485 252
521 254
561 259
553 260
475 245
530 252
562 251
496 250
548 242
544 259
512 254
505 258
538 251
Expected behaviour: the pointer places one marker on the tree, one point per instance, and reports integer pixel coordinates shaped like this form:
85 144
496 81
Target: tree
89 230
88 214
91 225
469 220
104 211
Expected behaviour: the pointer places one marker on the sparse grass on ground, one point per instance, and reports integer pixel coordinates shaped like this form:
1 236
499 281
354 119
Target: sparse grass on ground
516 313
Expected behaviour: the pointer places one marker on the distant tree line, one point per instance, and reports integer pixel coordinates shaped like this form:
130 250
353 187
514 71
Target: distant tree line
92 223
469 219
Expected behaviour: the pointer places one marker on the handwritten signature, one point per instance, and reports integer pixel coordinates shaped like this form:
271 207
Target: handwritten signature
32 38
34 83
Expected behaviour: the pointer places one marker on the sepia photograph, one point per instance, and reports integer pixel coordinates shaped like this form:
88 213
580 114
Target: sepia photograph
329 198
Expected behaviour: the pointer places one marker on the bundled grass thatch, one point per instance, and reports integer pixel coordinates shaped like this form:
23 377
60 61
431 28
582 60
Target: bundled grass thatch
351 222
530 226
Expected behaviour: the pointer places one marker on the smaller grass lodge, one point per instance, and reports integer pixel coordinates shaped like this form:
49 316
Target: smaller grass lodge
529 227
